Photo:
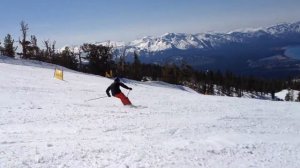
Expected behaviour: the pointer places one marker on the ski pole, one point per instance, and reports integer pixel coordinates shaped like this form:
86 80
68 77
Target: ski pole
96 98
128 93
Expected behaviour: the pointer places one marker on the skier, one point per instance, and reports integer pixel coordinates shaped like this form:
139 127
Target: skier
116 91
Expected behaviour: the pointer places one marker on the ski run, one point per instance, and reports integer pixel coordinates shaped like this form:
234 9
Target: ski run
46 122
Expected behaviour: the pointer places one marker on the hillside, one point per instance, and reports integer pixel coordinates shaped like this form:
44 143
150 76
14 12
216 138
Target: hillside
45 122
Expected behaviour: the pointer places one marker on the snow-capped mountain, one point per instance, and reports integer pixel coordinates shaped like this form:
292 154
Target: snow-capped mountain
235 51
284 28
240 51
184 41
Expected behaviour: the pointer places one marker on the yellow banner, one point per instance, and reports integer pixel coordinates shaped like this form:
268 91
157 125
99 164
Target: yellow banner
109 74
58 74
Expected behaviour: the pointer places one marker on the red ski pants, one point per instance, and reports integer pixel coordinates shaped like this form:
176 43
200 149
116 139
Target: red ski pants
123 98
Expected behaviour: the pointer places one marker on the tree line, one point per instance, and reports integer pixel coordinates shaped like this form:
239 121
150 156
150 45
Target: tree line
205 82
98 59
89 58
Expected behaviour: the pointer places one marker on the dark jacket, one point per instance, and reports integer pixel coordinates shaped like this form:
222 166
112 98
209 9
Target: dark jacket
115 88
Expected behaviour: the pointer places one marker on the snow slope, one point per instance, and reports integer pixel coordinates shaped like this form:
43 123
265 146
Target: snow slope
45 122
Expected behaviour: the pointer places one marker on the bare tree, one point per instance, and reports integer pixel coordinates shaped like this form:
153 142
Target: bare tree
53 47
50 50
32 49
79 57
24 43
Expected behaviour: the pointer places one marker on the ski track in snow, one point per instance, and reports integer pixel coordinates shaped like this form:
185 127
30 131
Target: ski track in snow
46 122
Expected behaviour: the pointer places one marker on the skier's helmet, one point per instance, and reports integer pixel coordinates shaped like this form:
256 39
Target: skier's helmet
117 79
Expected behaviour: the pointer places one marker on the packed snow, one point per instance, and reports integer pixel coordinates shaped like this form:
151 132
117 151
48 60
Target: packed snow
46 122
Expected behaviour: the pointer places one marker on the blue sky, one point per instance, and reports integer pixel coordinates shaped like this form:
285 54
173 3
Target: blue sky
77 21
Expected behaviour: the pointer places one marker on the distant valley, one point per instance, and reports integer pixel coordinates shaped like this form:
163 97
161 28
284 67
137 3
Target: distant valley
293 51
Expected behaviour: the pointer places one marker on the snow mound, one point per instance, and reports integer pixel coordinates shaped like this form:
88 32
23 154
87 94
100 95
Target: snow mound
281 95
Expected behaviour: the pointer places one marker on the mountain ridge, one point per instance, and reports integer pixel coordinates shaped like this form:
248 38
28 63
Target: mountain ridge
243 52
185 41
199 40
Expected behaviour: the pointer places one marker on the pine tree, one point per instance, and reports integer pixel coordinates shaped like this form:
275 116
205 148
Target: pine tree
136 67
121 64
292 95
79 54
170 73
9 49
68 59
186 72
273 94
1 49
288 96
99 57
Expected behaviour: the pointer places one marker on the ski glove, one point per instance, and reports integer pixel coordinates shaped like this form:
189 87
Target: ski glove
130 88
